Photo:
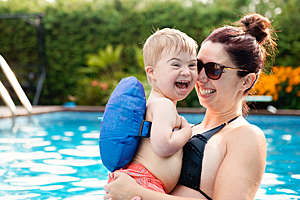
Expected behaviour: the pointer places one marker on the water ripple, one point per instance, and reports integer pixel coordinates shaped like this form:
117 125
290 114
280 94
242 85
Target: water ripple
90 183
16 188
82 151
18 197
72 162
20 140
271 179
51 187
40 180
92 135
37 155
38 167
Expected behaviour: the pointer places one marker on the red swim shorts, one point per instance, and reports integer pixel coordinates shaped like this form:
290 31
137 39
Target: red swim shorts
142 176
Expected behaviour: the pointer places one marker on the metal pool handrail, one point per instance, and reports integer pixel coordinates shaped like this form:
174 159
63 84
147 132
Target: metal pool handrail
16 86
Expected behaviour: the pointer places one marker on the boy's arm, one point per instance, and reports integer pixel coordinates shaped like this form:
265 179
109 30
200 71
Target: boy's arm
164 139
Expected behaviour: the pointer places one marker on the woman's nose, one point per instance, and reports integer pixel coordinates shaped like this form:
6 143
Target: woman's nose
202 76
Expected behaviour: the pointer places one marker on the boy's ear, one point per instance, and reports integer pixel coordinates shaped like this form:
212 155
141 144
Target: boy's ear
149 71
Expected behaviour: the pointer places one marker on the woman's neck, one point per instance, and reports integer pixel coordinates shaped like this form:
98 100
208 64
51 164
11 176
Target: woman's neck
213 119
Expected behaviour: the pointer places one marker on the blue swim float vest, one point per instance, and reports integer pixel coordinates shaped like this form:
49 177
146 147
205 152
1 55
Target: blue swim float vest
123 124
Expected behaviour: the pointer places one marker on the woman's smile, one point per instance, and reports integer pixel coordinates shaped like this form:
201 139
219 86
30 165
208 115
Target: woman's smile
206 91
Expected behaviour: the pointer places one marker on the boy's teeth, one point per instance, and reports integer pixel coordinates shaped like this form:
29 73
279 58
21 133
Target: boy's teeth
207 91
182 84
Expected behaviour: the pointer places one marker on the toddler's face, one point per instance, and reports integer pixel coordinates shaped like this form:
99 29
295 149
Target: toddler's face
175 74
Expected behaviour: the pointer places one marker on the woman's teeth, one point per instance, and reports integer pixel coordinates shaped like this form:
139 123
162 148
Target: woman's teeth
207 91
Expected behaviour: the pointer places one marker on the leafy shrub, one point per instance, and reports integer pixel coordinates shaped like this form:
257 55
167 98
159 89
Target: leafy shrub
76 28
103 72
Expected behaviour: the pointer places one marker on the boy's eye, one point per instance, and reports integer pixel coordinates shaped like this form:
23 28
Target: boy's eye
176 64
192 65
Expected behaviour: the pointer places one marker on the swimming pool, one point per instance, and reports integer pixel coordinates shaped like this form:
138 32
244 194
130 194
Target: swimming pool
56 156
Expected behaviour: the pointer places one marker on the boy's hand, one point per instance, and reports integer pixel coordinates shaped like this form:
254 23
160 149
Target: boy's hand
184 122
186 125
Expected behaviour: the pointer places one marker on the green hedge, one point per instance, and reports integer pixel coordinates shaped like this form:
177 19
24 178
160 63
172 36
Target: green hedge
76 29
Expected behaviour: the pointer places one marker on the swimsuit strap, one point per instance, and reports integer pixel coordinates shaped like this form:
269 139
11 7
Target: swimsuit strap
205 195
208 134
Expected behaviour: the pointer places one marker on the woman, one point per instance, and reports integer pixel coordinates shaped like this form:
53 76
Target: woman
226 157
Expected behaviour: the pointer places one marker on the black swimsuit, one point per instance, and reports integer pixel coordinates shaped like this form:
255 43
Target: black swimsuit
193 151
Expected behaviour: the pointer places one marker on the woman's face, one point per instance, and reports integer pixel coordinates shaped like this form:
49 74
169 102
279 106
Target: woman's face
225 93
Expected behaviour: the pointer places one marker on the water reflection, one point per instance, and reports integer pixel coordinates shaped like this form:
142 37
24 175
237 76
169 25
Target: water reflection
49 159
38 155
271 179
43 179
38 167
72 162
82 151
90 183
25 196
57 156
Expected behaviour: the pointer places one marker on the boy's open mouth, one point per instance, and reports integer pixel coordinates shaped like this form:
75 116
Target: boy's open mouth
182 84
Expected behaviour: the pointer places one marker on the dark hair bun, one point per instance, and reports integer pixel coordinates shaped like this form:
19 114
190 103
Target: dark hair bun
257 26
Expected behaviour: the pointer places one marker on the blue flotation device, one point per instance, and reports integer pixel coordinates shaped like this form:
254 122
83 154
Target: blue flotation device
123 124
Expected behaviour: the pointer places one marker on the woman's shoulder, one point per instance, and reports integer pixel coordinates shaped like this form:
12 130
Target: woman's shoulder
243 127
246 146
246 133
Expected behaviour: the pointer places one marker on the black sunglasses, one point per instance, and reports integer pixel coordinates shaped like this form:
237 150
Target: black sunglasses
214 70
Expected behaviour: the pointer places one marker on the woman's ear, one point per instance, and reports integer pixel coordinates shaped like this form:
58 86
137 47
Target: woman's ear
248 81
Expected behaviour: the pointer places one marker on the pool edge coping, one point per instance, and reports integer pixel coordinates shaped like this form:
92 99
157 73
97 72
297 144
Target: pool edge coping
5 112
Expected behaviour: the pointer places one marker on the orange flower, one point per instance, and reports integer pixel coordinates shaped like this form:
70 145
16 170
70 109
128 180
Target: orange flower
270 84
103 85
289 89
94 83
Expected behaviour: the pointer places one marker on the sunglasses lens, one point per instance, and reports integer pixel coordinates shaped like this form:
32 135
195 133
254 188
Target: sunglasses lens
213 70
199 66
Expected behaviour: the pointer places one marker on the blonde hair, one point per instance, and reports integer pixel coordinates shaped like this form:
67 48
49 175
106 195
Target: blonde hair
167 40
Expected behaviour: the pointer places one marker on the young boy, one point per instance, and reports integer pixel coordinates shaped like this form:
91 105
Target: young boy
171 69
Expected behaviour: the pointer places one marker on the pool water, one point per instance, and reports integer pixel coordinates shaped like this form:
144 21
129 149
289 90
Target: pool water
56 156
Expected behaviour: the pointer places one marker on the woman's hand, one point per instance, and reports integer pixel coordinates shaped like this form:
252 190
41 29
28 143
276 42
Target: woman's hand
122 188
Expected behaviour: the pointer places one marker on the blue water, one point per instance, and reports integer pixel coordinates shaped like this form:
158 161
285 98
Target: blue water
56 156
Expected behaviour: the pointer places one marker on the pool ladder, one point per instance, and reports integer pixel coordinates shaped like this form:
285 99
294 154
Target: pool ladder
17 88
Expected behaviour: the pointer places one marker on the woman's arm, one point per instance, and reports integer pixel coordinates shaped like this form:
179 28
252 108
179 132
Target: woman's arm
241 171
125 188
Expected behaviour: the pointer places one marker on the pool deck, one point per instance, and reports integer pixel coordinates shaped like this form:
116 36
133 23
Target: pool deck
5 112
